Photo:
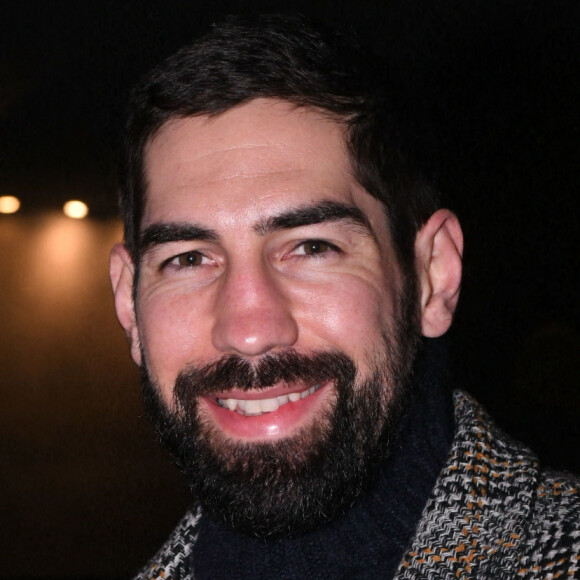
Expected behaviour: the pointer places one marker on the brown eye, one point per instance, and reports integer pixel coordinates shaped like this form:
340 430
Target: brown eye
312 247
189 259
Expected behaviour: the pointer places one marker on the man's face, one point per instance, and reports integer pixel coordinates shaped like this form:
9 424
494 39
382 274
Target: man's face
269 307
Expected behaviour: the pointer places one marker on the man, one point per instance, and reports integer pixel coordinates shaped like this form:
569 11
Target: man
282 258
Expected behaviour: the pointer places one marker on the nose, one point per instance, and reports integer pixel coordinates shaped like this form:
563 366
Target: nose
253 314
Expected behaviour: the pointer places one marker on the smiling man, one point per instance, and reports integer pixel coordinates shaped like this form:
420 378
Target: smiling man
282 259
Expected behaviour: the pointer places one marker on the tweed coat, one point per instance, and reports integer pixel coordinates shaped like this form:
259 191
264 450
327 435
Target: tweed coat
492 515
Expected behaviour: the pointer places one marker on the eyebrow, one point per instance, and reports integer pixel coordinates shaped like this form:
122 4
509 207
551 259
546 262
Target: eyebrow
324 211
163 233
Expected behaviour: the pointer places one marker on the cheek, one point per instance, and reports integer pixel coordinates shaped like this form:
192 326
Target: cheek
350 315
170 330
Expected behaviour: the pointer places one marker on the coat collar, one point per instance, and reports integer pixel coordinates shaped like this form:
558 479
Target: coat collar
480 509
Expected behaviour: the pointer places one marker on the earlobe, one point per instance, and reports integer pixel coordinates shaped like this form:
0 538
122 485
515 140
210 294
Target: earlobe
121 271
438 251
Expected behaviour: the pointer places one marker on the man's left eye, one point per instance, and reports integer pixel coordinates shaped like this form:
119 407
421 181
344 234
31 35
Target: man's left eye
315 247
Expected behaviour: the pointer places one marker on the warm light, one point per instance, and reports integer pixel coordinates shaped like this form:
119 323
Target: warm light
9 204
75 209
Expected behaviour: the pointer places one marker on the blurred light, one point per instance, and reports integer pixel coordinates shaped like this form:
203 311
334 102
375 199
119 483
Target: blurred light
57 251
75 209
9 204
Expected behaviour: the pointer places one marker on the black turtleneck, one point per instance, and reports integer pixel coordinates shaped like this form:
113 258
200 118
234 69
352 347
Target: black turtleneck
368 541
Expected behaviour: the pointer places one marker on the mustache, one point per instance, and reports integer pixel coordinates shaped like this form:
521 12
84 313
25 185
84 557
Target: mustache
234 371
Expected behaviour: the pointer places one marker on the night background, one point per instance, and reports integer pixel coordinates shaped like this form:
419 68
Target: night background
490 92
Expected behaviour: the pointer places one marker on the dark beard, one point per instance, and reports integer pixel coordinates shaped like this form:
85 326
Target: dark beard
294 484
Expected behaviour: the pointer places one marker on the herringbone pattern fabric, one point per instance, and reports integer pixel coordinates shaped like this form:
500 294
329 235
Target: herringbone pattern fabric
492 515
172 562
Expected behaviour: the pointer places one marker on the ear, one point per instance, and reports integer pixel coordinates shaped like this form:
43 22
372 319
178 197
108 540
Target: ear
438 252
121 271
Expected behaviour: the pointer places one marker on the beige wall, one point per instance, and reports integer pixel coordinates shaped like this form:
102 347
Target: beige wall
84 490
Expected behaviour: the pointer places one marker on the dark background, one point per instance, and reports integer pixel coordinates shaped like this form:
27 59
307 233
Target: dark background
490 92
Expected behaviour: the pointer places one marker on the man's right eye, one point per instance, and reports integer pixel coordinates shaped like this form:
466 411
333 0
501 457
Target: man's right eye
186 260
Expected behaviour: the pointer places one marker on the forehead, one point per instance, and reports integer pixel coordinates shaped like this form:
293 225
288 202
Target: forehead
259 155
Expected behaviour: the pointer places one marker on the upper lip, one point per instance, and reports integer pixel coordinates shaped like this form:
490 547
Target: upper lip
268 393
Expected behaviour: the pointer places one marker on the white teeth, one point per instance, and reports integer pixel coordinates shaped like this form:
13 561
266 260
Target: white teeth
254 407
269 405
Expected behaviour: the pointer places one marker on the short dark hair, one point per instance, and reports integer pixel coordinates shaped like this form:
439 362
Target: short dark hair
290 59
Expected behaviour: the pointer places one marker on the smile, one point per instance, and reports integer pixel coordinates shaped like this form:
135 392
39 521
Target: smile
255 407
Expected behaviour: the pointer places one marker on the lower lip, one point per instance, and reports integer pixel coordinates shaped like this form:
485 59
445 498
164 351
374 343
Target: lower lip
269 426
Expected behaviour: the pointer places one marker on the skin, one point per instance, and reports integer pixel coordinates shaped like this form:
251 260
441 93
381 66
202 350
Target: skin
233 280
